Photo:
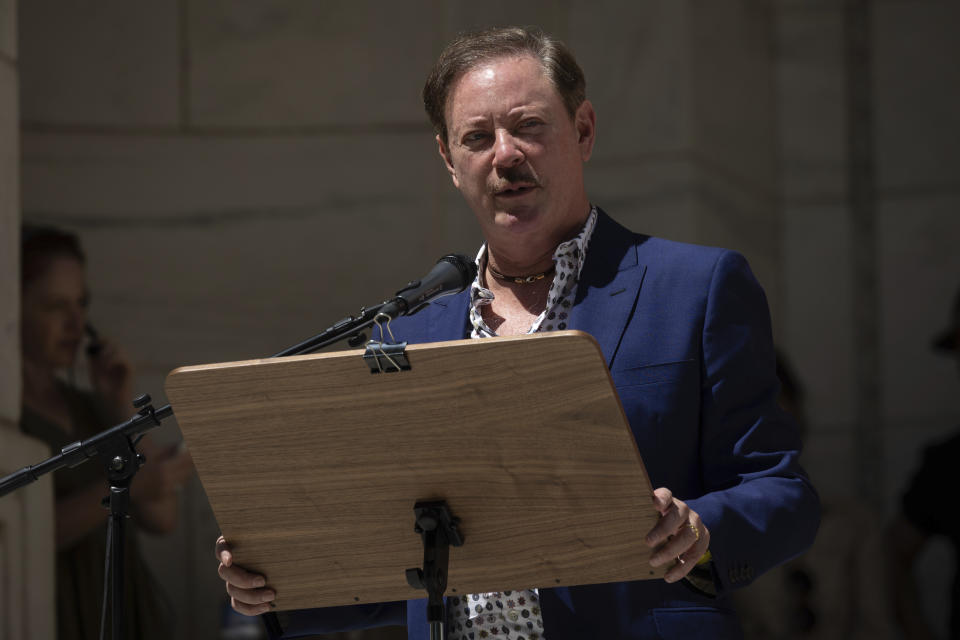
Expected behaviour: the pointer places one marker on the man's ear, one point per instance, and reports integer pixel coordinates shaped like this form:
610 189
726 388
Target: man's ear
586 122
445 154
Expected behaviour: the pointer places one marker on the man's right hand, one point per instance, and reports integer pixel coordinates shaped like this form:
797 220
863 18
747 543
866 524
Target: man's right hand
248 592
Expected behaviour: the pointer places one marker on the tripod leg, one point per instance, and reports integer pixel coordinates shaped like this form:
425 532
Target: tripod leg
118 515
106 580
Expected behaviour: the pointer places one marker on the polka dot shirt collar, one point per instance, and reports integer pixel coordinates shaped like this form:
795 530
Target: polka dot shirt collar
568 258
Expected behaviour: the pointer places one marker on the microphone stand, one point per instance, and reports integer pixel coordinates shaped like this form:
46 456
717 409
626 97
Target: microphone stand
116 448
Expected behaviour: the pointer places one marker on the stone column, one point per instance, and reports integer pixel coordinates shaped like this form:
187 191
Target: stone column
26 516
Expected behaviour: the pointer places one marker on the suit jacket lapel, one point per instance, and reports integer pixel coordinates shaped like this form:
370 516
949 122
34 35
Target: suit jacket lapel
609 285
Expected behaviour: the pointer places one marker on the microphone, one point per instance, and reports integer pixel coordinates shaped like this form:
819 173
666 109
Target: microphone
452 274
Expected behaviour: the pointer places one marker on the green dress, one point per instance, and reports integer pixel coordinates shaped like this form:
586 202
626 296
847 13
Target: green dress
79 571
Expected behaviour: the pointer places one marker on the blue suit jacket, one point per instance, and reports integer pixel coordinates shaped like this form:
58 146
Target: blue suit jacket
686 333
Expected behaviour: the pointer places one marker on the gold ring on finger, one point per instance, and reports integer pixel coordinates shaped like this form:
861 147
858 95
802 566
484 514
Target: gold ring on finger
696 531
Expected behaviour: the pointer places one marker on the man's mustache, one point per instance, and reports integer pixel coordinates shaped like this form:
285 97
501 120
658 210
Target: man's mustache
510 176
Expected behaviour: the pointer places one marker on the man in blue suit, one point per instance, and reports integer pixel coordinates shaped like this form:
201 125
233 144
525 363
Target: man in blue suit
686 334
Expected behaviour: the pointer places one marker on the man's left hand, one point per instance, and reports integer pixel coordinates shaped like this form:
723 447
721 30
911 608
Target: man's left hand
679 537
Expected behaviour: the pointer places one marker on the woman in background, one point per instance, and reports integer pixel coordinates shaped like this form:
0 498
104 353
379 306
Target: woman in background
54 302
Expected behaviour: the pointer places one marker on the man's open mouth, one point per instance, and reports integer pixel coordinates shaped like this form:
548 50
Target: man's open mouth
516 190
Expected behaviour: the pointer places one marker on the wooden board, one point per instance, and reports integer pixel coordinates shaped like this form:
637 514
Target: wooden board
312 466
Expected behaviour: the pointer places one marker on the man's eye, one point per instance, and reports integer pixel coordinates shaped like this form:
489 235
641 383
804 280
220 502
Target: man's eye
528 124
474 137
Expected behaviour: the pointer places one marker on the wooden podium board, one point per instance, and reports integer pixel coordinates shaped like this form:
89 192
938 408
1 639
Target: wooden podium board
312 465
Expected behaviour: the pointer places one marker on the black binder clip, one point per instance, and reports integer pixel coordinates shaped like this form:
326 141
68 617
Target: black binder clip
386 357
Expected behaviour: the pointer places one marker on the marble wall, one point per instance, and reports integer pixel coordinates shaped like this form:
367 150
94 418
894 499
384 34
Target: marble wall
9 218
918 181
818 236
243 174
27 552
26 515
913 243
917 220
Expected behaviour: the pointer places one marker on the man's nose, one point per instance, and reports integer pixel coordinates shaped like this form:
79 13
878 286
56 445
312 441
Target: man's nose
506 151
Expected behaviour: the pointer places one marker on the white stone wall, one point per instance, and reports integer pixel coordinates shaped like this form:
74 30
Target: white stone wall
918 221
918 155
27 560
817 232
26 515
9 219
916 96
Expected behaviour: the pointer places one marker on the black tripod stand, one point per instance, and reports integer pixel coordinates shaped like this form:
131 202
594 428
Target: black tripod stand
122 463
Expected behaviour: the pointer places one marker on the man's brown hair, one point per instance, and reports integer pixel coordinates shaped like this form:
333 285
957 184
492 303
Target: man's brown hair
471 49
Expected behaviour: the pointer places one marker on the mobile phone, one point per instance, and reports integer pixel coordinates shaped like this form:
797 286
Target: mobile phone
95 345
